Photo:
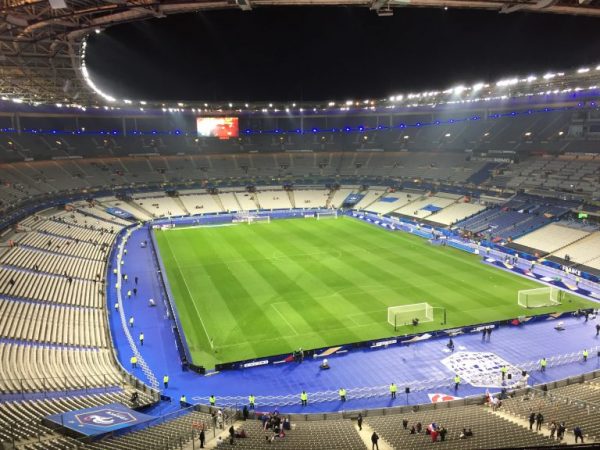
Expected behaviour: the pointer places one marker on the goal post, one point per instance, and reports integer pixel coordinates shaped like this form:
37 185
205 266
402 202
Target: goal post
540 297
405 314
259 219
327 214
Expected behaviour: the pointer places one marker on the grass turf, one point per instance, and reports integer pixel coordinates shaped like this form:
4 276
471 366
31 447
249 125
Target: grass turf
266 289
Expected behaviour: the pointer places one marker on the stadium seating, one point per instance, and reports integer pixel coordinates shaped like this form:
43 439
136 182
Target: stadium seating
390 202
310 198
22 420
489 430
370 196
573 404
425 206
156 204
583 250
309 435
339 196
38 368
456 212
195 202
165 434
552 237
271 199
53 324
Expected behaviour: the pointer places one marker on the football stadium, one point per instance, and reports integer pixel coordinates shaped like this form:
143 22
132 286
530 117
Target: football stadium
398 271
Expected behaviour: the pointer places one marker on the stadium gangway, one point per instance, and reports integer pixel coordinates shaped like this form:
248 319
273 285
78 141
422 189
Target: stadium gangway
135 351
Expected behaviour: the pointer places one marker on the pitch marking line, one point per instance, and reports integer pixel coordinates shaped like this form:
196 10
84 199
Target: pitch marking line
283 317
192 298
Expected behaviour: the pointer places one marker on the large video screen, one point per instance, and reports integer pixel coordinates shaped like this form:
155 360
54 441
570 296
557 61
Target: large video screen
219 127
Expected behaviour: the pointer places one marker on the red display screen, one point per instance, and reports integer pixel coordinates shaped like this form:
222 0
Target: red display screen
219 127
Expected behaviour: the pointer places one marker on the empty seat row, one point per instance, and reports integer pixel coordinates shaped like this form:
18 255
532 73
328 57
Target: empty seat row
57 324
44 368
50 288
53 263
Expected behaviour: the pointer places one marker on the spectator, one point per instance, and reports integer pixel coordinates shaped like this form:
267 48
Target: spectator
374 441
560 432
539 420
442 432
552 429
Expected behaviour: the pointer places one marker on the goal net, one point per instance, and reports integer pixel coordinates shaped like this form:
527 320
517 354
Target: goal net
405 314
259 219
536 298
327 215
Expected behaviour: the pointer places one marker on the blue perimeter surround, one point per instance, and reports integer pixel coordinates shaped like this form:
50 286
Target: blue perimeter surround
358 369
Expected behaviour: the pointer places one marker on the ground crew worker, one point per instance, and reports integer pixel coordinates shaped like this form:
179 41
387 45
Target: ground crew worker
183 401
456 381
503 370
543 364
251 400
131 322
142 339
212 400
585 355
133 362
304 398
342 393
166 381
393 390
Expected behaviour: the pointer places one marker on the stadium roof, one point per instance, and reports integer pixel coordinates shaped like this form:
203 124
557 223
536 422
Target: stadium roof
42 46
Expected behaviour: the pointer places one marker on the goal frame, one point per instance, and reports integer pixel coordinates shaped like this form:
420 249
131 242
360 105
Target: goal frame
258 219
423 311
555 297
333 214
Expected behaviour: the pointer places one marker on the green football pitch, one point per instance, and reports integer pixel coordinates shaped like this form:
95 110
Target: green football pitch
246 291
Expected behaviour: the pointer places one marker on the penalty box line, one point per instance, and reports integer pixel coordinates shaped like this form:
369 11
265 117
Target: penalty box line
283 317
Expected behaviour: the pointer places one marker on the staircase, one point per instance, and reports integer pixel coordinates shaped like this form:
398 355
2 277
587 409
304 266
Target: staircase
568 438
